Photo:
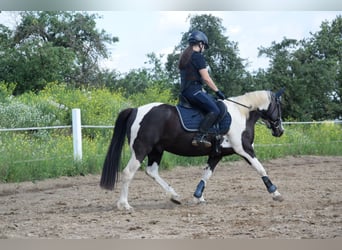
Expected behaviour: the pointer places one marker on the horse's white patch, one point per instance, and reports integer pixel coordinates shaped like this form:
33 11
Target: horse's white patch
225 143
142 111
152 171
239 114
256 100
237 126
127 176
207 174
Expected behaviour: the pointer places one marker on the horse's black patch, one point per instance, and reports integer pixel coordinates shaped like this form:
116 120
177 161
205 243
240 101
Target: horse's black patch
247 136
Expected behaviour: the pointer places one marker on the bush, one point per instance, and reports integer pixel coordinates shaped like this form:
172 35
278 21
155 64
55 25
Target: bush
19 115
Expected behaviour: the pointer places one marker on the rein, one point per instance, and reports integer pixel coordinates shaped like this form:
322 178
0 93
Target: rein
238 103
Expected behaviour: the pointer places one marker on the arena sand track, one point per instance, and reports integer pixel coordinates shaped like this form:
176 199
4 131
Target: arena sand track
238 205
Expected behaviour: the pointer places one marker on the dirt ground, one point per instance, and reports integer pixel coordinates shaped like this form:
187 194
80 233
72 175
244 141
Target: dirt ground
238 205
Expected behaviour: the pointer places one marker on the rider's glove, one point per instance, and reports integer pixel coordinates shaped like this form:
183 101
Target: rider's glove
220 95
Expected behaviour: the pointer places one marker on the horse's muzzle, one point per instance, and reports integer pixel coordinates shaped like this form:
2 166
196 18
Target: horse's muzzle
276 127
277 132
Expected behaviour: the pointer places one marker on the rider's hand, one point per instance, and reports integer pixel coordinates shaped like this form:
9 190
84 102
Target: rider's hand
220 95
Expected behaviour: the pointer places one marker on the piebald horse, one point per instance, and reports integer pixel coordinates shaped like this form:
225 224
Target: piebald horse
154 128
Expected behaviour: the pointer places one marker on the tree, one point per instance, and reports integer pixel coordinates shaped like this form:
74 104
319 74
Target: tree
325 49
310 70
226 67
53 45
157 72
136 80
283 72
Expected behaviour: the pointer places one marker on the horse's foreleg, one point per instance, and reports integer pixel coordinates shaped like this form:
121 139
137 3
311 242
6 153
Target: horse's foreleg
208 171
127 176
152 171
271 188
201 185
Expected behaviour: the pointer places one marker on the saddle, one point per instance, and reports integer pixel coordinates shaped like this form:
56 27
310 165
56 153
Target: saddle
191 117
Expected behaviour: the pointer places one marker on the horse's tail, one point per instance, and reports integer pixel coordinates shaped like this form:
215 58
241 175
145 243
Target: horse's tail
111 164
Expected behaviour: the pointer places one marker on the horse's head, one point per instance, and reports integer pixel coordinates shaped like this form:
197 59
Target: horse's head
272 116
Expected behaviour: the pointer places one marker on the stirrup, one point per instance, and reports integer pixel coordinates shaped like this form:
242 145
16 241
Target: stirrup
200 140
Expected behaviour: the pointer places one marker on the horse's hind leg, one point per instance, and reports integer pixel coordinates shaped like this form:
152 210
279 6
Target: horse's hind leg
127 175
152 171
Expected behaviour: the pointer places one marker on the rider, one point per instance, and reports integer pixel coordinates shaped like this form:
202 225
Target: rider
194 72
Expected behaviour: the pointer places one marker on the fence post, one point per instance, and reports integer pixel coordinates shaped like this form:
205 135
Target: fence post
77 134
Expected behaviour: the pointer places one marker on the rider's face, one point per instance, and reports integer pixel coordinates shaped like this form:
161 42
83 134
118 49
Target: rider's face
201 45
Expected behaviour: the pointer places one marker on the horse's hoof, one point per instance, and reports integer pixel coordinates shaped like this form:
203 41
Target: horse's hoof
176 200
278 198
199 201
124 206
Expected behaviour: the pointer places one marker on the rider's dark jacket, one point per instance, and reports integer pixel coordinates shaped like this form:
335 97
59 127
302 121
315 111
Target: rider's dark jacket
192 84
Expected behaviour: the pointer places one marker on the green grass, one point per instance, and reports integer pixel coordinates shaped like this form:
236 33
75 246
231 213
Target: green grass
31 156
300 139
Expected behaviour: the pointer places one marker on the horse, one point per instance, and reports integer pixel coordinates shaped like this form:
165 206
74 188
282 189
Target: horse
154 128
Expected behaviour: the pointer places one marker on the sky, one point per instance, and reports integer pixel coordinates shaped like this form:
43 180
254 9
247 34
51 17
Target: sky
160 31
142 32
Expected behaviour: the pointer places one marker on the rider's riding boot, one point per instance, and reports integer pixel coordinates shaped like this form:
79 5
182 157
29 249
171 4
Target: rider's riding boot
201 138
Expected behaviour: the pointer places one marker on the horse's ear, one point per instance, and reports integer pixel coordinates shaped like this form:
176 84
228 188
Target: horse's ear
280 92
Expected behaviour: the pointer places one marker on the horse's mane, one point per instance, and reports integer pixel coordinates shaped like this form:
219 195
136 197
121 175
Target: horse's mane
256 99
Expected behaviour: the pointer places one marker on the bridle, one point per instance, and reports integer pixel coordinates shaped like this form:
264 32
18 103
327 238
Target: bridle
268 115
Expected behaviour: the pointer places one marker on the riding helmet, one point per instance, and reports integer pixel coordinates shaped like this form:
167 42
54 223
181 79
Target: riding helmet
197 37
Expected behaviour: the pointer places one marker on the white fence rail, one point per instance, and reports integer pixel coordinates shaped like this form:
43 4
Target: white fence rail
77 130
33 128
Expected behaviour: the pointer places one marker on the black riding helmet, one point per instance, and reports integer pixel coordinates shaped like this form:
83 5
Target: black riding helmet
197 37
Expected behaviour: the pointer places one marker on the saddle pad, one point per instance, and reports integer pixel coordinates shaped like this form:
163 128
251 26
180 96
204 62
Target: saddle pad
191 118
